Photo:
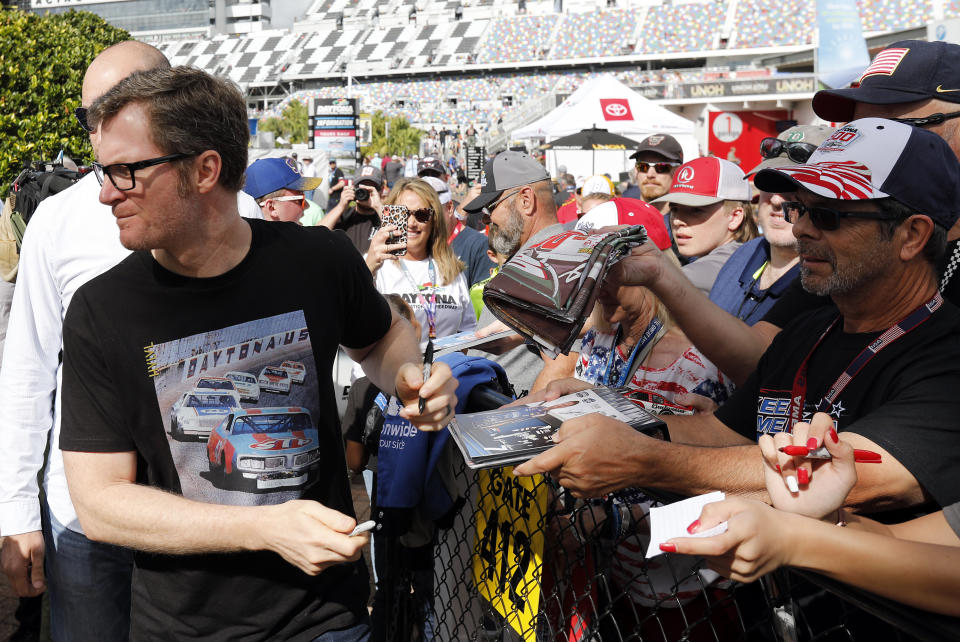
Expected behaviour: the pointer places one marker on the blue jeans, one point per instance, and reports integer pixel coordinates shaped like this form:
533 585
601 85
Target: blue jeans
88 584
356 633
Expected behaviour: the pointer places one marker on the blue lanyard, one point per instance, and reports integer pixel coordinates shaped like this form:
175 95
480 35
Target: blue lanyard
647 336
429 310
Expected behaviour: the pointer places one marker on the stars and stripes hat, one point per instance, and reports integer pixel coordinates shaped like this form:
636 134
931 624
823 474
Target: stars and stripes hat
906 71
878 158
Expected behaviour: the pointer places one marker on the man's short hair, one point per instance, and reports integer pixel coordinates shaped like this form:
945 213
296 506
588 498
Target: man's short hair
190 112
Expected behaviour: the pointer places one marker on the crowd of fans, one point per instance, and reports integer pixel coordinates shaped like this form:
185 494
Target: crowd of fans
807 302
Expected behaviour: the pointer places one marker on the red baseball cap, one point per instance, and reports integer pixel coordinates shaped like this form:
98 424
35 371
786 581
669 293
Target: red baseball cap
627 211
705 181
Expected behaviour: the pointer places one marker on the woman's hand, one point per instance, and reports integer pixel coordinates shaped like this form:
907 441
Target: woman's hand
381 248
812 487
758 538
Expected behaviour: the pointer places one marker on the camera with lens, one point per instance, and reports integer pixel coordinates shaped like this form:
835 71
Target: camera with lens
361 194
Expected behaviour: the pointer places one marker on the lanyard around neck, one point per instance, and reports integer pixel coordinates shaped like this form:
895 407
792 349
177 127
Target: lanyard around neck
908 323
653 330
431 309
456 231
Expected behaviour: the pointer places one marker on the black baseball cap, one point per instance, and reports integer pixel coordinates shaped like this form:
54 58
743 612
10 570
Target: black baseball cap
506 170
430 166
663 144
904 72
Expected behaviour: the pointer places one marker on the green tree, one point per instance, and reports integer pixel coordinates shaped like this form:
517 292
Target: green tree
292 124
393 136
42 62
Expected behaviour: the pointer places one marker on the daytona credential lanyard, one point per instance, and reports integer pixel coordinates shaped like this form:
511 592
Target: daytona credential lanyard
653 330
908 323
431 309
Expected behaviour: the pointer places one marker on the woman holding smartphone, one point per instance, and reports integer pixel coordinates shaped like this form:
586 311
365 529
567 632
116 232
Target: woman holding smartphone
427 274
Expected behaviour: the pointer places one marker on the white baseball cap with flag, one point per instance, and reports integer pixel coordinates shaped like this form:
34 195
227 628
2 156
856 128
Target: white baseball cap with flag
705 181
878 158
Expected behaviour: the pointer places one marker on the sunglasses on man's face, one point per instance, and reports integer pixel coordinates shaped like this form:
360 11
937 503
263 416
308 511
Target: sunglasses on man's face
797 152
826 219
293 197
660 168
81 115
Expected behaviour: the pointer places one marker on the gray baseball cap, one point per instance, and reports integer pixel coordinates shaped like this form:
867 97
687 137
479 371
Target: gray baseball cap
506 170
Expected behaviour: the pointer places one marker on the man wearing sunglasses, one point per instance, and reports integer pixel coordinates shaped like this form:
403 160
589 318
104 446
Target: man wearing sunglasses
206 291
656 160
278 187
870 211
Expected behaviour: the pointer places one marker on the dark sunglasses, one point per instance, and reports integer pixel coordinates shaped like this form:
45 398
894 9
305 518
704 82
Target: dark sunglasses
660 168
423 215
81 115
797 152
824 218
932 119
487 212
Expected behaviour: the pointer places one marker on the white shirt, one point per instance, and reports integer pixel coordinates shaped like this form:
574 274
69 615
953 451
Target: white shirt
71 238
454 309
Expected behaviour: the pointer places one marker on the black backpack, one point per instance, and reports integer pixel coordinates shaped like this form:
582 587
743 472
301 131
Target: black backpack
35 183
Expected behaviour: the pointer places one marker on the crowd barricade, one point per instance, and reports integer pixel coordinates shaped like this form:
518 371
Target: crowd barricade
521 561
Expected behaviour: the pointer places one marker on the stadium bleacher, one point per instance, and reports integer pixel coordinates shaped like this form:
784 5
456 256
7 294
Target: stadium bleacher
773 23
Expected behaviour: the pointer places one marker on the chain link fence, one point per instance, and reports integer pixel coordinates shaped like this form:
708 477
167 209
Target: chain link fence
519 560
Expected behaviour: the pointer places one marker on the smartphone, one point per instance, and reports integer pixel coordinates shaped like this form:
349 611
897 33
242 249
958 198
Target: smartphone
396 215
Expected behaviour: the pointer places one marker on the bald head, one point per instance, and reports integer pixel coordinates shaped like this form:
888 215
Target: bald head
115 63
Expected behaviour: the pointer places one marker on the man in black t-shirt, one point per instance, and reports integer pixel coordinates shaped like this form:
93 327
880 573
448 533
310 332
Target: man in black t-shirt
199 422
870 211
336 184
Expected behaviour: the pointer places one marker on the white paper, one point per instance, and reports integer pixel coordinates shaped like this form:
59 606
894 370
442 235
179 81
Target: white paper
667 522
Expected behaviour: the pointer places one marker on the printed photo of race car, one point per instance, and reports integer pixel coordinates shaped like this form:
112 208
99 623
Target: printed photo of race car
274 379
197 413
216 384
246 384
296 370
264 448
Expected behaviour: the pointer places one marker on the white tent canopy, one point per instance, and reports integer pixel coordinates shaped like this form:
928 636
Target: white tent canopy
603 101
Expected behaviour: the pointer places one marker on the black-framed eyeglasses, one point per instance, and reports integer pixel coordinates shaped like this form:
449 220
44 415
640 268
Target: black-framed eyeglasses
488 210
926 121
660 168
824 218
123 175
81 115
796 151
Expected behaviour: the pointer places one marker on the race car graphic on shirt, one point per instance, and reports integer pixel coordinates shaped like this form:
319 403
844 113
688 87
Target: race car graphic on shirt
196 413
263 448
246 384
207 382
295 370
274 379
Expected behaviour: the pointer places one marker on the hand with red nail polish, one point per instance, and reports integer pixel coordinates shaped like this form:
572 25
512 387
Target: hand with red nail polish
810 487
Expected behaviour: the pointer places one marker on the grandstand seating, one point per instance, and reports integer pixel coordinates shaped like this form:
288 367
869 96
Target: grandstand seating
517 38
682 27
891 15
595 34
773 23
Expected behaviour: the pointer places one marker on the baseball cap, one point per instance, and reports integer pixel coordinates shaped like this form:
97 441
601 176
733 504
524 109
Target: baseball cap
370 174
705 181
597 184
876 158
811 134
506 170
627 211
903 72
430 164
268 175
440 187
663 144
